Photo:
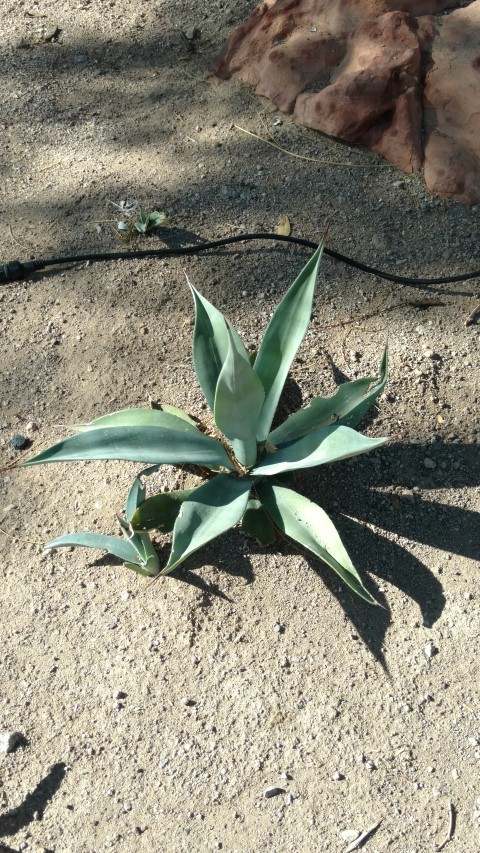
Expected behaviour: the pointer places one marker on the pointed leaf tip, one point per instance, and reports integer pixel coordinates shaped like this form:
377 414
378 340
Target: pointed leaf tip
282 338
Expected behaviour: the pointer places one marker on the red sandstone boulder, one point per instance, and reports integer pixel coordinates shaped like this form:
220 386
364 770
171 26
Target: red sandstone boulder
451 102
355 69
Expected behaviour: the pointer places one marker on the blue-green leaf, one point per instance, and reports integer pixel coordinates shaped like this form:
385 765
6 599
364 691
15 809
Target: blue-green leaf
211 510
139 444
160 511
174 410
345 408
282 338
353 413
210 344
135 497
238 400
323 445
257 524
137 494
136 551
165 417
308 524
120 548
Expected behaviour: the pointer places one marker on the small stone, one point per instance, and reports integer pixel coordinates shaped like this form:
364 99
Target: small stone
9 741
119 694
190 33
127 807
31 427
455 773
473 741
189 703
19 442
349 834
430 651
429 463
338 777
273 792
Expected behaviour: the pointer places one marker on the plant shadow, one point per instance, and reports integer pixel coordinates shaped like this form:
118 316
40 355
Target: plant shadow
381 520
34 804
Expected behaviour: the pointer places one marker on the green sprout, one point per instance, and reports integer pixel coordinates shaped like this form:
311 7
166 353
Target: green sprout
142 222
246 459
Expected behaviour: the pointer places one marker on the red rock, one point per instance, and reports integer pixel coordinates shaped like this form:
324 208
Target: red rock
354 69
452 107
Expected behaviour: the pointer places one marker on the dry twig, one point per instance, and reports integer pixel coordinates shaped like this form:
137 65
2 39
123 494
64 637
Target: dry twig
363 837
451 827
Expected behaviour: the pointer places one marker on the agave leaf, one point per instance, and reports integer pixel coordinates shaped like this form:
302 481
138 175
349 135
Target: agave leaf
150 562
160 511
257 524
135 497
323 445
238 400
309 525
211 510
345 408
139 444
354 413
210 344
174 410
120 548
283 336
174 419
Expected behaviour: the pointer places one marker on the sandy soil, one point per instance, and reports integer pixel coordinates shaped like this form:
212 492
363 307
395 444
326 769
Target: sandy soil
156 716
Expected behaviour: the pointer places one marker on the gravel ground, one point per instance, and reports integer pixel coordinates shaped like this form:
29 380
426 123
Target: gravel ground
250 704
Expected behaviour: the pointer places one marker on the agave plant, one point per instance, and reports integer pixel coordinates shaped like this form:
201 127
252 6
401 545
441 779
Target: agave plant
244 456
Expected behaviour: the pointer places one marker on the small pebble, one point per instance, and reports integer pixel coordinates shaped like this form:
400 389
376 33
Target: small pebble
338 777
430 650
19 442
349 834
9 740
429 463
31 428
273 792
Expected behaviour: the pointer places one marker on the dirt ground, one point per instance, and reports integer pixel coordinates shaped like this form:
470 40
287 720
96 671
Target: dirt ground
157 716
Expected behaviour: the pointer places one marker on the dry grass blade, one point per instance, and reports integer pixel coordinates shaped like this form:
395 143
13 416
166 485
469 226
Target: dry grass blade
360 841
302 156
451 827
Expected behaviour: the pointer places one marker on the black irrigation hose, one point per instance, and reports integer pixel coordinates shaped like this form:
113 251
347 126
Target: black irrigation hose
16 270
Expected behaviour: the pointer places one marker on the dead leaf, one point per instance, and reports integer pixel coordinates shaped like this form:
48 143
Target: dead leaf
473 317
284 227
427 302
